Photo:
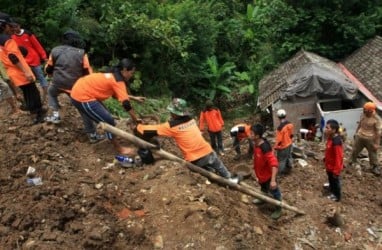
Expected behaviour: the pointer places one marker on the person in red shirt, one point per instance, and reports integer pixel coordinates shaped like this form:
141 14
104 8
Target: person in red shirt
239 133
36 54
89 91
215 123
334 154
265 165
284 143
184 129
18 70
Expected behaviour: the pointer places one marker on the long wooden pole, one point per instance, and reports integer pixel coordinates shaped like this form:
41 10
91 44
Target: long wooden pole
162 153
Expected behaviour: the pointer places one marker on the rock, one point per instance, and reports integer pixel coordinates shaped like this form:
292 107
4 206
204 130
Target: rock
258 230
214 212
158 242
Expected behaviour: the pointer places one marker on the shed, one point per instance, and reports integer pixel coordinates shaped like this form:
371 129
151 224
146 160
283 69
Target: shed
310 87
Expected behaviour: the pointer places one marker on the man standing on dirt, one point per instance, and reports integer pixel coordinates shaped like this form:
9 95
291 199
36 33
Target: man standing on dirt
184 129
215 123
265 165
18 70
89 91
283 143
36 54
368 135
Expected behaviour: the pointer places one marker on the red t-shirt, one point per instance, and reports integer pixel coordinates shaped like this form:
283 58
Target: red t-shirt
334 155
263 161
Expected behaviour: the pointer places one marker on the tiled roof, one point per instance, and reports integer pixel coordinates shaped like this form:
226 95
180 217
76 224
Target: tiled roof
275 82
366 65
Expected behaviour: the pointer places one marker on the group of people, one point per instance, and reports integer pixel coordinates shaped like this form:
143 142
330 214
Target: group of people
71 73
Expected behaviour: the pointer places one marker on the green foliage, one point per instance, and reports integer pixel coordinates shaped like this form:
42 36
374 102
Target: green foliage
149 107
203 49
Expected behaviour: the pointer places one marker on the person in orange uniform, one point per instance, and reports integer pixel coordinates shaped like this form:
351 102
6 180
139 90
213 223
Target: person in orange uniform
184 129
18 71
283 143
36 54
215 123
89 91
241 132
368 135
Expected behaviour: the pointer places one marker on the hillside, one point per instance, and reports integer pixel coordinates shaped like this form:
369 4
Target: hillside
86 203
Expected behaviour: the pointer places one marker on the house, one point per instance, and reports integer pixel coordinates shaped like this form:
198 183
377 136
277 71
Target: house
312 89
364 67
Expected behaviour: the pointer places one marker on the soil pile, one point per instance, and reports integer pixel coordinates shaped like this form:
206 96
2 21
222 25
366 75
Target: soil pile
85 202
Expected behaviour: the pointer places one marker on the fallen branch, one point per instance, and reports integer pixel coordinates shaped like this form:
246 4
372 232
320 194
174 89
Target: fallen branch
210 175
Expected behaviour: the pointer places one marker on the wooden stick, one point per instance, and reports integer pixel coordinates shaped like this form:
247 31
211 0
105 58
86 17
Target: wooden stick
210 175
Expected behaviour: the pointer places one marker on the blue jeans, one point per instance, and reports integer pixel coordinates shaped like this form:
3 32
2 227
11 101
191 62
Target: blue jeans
211 162
265 188
216 140
284 157
39 74
96 112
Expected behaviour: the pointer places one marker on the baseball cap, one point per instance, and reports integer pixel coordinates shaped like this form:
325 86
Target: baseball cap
178 107
5 18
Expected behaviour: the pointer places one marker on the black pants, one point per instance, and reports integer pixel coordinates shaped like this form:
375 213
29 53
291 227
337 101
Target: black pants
32 98
334 184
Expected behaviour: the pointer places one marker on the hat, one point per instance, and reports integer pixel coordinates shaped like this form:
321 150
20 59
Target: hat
258 129
5 18
72 34
178 107
369 106
281 113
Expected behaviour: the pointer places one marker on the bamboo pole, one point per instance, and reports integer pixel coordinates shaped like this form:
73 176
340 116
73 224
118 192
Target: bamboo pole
244 188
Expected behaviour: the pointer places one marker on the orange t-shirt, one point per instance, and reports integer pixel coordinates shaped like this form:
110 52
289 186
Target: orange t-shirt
99 86
213 118
244 134
284 135
186 135
16 75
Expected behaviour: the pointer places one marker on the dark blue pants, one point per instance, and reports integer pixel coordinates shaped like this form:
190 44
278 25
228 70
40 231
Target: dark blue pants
96 111
216 140
334 184
265 188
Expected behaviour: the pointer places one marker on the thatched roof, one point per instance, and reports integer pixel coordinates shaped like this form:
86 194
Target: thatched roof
275 83
366 65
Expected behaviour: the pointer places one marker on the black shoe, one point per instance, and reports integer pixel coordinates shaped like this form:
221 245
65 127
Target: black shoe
376 171
38 119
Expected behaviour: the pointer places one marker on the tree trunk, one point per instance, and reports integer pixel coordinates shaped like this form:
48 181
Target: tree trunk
244 188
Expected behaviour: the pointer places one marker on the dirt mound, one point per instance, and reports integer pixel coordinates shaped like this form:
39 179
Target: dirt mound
85 202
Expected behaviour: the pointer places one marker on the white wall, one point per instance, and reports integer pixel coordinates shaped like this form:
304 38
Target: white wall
348 117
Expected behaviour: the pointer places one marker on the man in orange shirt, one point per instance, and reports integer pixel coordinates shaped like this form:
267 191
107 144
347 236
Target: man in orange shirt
89 91
215 123
187 135
18 70
283 143
239 133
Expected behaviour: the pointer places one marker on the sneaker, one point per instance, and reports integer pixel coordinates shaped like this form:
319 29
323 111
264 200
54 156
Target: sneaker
276 214
38 119
94 137
258 201
333 197
234 180
53 119
326 185
376 171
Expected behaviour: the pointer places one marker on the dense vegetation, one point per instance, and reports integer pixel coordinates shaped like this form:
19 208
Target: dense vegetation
200 49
